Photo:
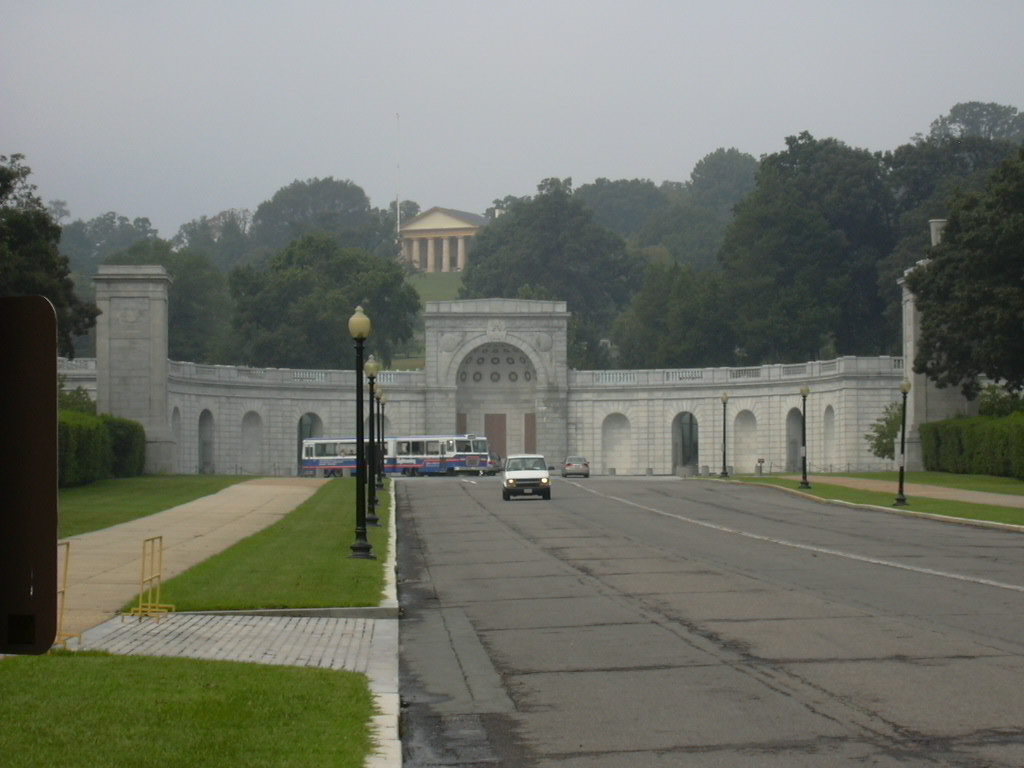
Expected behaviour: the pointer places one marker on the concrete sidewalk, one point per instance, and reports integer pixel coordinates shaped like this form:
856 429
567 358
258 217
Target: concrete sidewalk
105 569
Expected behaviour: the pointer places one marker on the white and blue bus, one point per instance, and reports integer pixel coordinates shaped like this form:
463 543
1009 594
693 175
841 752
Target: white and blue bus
403 455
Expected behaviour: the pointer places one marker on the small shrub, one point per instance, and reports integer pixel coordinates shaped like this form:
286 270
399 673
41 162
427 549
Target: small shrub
886 431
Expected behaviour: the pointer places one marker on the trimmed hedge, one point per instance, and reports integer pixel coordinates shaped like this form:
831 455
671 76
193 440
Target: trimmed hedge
983 445
128 443
91 448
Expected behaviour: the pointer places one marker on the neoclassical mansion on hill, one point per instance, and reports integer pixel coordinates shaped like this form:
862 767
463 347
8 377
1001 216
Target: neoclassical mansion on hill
495 367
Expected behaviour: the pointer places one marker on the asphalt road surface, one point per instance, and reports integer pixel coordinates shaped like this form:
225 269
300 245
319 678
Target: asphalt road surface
661 622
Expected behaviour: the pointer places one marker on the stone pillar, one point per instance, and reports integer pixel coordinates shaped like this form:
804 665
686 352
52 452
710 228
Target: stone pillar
431 266
461 257
131 354
446 254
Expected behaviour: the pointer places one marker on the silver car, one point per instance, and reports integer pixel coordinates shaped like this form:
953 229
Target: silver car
576 465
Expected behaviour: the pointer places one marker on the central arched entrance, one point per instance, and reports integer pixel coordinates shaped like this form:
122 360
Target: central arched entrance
496 395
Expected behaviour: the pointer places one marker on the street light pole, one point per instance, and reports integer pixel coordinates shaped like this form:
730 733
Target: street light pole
901 499
725 399
383 452
371 369
804 391
359 329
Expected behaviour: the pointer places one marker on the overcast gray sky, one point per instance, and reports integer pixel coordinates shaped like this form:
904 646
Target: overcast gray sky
184 108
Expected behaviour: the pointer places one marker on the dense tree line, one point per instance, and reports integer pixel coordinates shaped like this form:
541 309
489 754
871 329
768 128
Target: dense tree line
30 259
789 257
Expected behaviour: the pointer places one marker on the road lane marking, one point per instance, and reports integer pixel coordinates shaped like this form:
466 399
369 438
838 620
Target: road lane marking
818 550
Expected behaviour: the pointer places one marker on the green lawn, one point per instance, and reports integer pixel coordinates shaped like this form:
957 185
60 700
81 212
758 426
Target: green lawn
985 483
93 710
302 561
109 502
436 286
96 710
822 489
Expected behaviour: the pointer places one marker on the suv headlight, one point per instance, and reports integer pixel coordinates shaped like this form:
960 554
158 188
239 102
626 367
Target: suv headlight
545 480
510 482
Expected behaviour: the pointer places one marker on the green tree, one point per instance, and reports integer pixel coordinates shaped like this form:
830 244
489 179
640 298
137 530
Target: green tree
224 237
986 120
623 205
971 291
89 243
924 176
723 178
693 226
677 320
801 255
550 246
294 314
331 206
30 258
198 301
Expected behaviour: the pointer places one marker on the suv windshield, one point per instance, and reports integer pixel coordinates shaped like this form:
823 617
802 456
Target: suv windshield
519 464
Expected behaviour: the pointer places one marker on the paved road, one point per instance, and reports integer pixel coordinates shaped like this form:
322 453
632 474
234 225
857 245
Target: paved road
659 622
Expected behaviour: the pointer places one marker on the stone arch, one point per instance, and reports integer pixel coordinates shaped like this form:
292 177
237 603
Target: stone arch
460 346
496 396
828 439
745 451
252 444
617 444
685 443
207 446
309 425
794 434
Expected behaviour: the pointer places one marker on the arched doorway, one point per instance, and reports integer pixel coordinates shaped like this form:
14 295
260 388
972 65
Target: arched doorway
496 396
745 452
828 441
617 444
685 444
206 445
252 444
310 425
794 437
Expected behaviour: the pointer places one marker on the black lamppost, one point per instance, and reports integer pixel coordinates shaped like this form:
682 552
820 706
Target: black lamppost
725 399
359 329
367 478
901 499
804 391
383 452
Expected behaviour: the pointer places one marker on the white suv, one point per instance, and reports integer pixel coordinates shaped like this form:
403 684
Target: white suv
525 474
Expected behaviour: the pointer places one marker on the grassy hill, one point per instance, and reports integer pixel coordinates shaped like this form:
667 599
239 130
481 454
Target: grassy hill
432 286
436 286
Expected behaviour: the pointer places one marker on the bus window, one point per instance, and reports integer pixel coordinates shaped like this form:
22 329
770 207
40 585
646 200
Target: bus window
326 449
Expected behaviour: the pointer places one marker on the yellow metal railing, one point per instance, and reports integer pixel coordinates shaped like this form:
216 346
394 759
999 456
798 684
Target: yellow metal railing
63 559
150 583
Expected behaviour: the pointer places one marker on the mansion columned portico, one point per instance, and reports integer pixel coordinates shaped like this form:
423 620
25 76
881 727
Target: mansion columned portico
495 367
438 240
